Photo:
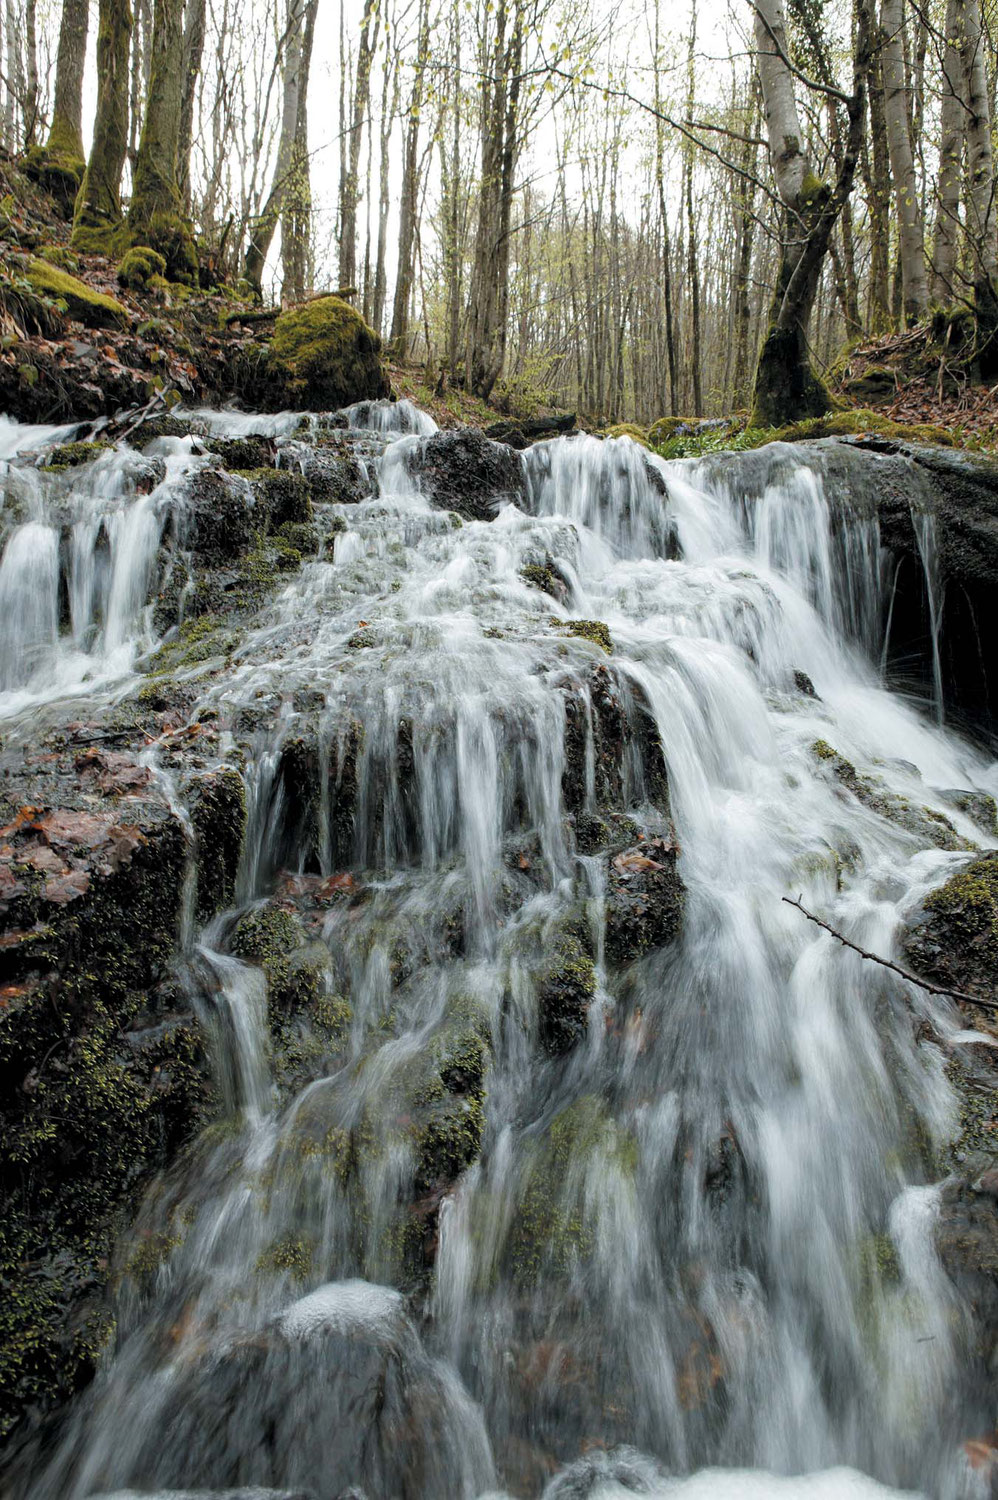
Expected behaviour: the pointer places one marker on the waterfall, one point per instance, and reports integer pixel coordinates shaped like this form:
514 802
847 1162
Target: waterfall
689 1251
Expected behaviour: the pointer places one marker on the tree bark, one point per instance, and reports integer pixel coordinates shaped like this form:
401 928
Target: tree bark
66 132
897 108
193 49
296 219
982 219
489 299
349 195
262 232
786 387
953 126
405 269
98 205
156 215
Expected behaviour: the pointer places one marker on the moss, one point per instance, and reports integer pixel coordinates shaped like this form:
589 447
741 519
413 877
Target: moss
248 454
629 430
326 355
218 812
105 239
462 1066
564 994
266 934
169 235
544 576
300 537
89 307
57 167
196 641
590 630
291 1256
139 265
61 256
283 492
449 1142
72 455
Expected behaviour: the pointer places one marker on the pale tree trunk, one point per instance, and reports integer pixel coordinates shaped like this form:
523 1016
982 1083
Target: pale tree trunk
663 213
194 21
879 206
389 89
98 206
489 300
897 108
692 265
30 109
14 74
786 387
405 270
296 218
953 126
262 232
349 195
745 196
982 218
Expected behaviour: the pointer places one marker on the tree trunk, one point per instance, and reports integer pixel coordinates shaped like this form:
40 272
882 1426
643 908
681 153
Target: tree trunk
262 232
953 126
296 219
500 147
786 387
66 132
399 336
156 215
879 204
98 205
193 49
982 219
30 108
692 266
349 195
897 109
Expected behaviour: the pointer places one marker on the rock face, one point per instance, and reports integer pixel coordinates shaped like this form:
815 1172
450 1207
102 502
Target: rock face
463 471
102 1065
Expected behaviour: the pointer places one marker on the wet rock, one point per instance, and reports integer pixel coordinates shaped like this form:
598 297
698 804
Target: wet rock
462 471
925 823
967 1242
645 900
283 495
102 1066
332 469
564 994
243 453
953 938
804 685
220 518
218 812
979 807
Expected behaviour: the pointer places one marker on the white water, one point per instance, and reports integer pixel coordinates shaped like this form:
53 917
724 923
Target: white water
737 1272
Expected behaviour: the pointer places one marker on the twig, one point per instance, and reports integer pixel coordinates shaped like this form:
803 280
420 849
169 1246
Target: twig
923 984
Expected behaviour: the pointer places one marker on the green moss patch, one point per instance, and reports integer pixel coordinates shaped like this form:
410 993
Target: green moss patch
324 356
139 265
82 303
594 631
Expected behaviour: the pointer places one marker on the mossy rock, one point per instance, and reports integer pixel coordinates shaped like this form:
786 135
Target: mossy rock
924 822
564 994
242 454
58 171
218 813
953 938
645 900
323 356
139 265
283 492
594 631
72 455
169 236
629 430
91 308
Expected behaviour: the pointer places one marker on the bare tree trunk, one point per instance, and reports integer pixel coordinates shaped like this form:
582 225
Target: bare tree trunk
98 206
381 267
59 164
410 193
879 204
262 231
692 267
500 147
952 126
349 196
897 108
296 218
193 48
982 218
30 103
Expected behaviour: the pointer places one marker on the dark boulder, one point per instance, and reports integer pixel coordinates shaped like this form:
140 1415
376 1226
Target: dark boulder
645 900
464 472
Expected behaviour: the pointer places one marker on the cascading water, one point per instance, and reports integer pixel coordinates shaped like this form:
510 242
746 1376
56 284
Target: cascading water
679 1243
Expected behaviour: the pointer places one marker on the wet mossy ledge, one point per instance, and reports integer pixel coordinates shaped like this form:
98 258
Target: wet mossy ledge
103 1063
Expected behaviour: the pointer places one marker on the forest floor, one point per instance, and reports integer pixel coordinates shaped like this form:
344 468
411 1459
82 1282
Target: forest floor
105 347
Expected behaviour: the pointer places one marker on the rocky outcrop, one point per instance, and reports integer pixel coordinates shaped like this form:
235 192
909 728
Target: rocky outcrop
463 471
321 356
103 1072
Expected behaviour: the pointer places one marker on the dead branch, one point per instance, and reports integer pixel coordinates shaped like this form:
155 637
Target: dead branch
923 984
